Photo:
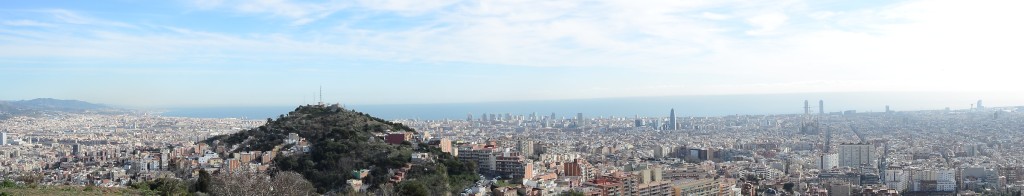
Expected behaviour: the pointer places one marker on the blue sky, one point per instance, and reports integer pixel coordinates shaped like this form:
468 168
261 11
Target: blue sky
277 52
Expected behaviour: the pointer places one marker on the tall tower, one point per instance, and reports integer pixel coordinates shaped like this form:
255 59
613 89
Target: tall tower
807 107
321 102
828 140
821 106
672 119
579 119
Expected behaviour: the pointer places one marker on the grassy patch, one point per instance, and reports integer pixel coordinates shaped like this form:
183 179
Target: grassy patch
71 190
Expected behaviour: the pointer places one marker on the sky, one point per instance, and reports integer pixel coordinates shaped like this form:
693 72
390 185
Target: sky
279 52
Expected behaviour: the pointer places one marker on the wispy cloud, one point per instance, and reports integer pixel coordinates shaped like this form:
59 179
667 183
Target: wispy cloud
26 23
299 13
71 17
766 23
686 47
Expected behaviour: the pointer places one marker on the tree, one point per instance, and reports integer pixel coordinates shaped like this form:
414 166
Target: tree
169 186
291 183
141 185
8 184
753 179
414 188
788 187
571 193
31 179
246 182
203 181
240 182
162 186
340 141
385 190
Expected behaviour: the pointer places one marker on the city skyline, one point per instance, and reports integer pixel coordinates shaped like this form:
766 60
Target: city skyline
250 53
978 152
499 97
691 106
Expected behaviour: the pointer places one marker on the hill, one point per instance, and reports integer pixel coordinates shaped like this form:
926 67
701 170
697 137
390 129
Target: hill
50 105
57 104
342 141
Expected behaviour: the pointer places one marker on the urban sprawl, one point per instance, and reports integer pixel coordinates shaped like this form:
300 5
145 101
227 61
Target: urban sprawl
977 151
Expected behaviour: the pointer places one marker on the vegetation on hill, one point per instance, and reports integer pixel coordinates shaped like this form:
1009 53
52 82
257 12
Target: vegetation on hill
9 187
446 168
342 141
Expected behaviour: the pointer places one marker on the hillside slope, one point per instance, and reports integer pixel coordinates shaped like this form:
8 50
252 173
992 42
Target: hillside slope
342 141
49 105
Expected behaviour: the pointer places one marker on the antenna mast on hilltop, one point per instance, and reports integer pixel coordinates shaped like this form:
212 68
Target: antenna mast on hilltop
321 102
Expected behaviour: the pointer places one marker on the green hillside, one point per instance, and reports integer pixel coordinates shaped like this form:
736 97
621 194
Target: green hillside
342 141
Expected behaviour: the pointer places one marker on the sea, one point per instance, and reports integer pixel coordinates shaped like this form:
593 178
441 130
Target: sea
684 106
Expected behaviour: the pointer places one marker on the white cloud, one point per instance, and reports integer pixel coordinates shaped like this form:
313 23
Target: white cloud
406 7
26 23
207 4
690 47
766 23
70 17
715 16
299 13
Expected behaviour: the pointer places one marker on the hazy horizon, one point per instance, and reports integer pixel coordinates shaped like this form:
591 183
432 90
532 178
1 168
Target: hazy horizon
1004 98
703 105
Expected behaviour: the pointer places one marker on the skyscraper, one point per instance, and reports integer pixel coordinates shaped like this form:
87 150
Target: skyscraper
979 105
469 116
672 119
807 107
821 106
656 124
3 138
579 119
828 140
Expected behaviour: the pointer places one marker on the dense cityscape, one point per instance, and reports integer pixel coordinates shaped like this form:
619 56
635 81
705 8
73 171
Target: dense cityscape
511 98
937 152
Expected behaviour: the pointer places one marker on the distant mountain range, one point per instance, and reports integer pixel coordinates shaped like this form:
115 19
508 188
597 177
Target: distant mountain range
50 105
